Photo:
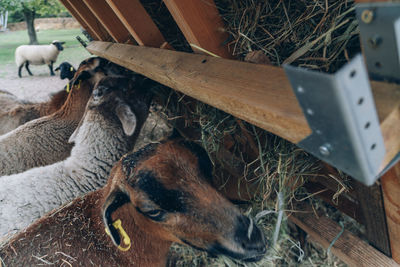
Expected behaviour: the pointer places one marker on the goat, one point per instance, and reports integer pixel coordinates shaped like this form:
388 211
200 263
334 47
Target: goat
66 70
37 55
45 140
155 196
15 112
113 118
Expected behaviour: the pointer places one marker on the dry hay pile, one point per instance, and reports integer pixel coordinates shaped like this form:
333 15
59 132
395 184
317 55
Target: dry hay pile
320 35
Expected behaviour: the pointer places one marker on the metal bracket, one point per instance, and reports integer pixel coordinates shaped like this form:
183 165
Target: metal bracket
341 113
380 36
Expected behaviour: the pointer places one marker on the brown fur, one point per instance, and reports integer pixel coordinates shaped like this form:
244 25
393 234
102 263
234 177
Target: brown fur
75 233
20 112
45 140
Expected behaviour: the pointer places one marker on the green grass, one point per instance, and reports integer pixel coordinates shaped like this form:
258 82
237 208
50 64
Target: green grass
73 52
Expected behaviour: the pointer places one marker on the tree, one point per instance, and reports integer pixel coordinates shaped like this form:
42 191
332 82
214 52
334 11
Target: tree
32 8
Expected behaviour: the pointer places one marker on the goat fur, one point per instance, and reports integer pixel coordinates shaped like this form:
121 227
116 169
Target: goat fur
15 112
104 135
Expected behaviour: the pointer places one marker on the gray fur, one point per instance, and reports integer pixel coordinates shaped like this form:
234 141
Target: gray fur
99 142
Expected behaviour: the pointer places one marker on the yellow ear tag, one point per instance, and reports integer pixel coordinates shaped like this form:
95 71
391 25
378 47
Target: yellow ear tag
68 89
79 84
125 238
71 69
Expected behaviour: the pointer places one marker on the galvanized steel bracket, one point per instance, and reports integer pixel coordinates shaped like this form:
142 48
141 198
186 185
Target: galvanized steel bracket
380 36
340 111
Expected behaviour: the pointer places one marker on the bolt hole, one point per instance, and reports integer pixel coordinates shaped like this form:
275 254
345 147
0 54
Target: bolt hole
373 146
204 61
353 73
360 101
367 125
378 65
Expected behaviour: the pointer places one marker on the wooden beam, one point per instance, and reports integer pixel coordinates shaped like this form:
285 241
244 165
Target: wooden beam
201 24
259 94
138 22
91 21
391 194
349 248
81 21
110 21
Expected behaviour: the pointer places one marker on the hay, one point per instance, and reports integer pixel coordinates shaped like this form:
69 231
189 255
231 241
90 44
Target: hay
320 35
314 34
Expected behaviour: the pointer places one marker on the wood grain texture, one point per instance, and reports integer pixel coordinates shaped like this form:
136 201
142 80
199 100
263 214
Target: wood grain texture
90 19
110 21
391 194
349 248
371 1
138 22
80 19
370 200
201 24
259 94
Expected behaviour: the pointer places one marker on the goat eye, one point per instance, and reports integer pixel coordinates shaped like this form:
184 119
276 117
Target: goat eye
156 215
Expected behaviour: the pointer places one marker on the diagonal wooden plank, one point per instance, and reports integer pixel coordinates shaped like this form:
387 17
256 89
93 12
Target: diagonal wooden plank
259 94
110 21
349 248
138 22
201 24
80 19
239 88
91 21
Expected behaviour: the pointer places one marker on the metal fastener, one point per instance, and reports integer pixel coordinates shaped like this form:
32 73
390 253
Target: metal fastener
325 150
367 16
375 41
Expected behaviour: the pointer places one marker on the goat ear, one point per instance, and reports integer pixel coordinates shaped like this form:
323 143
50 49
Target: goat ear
58 68
127 118
115 199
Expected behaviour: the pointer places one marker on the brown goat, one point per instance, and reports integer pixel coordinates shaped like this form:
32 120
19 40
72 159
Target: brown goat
161 195
45 140
14 112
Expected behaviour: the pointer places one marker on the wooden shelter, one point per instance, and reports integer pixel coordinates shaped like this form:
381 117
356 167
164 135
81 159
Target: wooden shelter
262 95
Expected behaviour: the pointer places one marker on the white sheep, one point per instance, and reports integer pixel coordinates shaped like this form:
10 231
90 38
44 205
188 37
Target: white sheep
37 55
113 118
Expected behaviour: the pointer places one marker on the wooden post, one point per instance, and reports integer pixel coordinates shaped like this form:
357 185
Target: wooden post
201 24
110 21
391 194
80 19
373 212
90 20
138 22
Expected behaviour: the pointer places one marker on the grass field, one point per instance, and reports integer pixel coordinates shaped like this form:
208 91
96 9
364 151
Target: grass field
73 52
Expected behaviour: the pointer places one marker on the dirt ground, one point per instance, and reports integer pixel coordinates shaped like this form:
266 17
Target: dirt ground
31 88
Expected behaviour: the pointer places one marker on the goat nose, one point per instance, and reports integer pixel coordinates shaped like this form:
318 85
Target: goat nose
249 236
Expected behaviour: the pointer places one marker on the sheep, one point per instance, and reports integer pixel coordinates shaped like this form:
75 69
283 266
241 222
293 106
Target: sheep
37 55
155 196
45 140
66 70
15 112
113 118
